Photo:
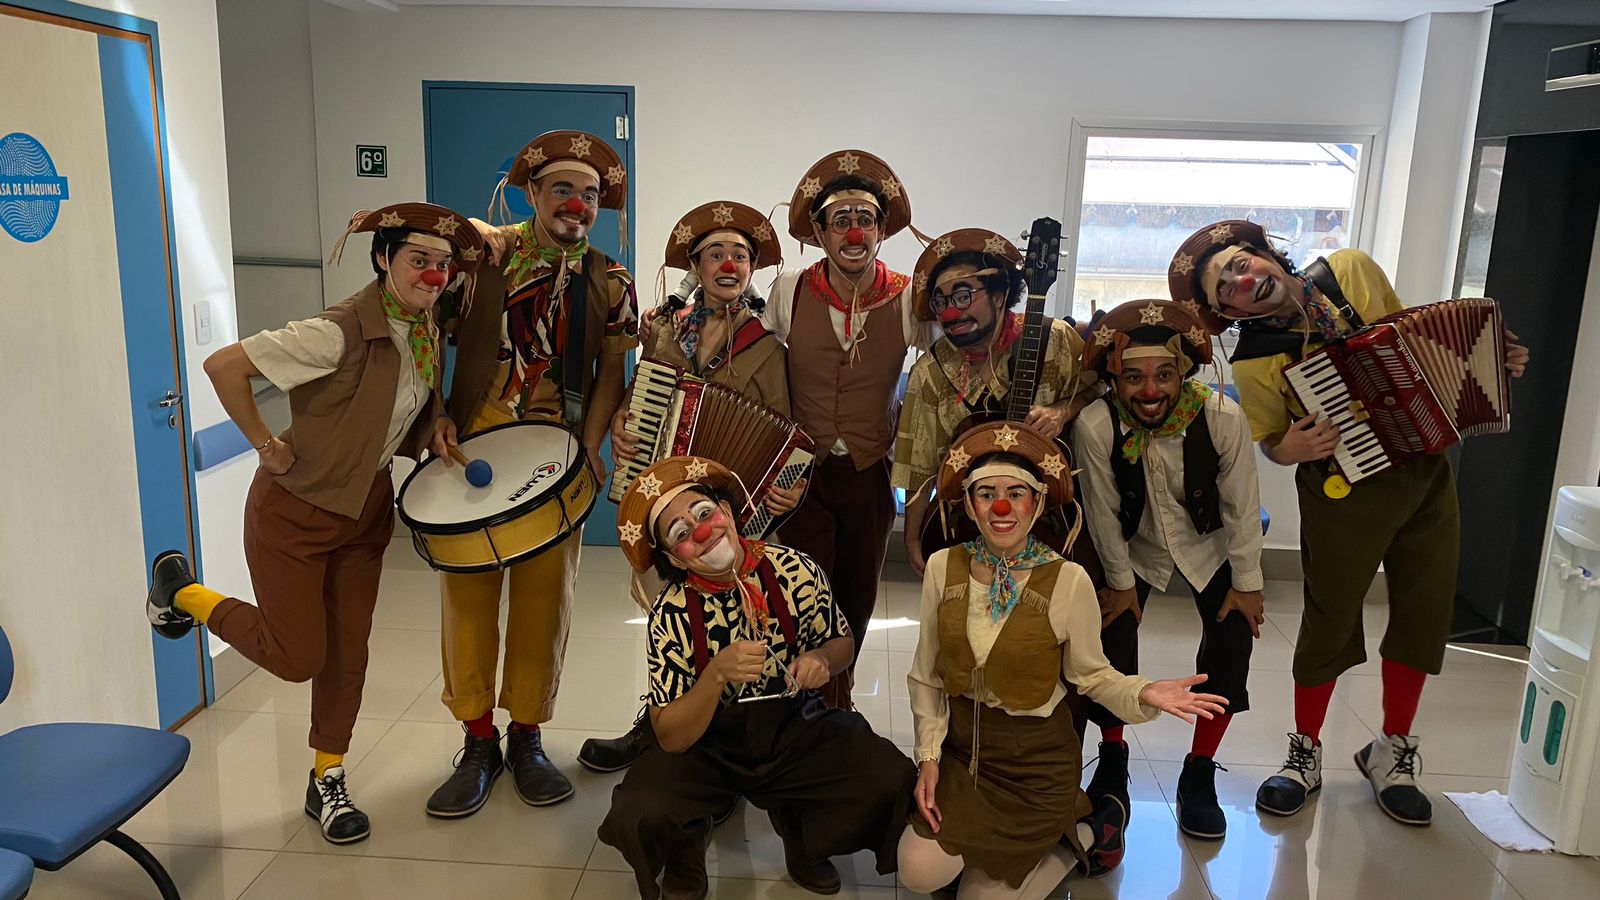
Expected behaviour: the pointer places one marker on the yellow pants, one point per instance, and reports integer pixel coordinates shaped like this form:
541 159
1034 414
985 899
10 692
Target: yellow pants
537 622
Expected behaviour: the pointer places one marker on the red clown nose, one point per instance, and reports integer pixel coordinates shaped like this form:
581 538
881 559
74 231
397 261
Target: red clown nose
1245 286
855 236
433 278
949 314
574 206
1001 507
728 268
702 533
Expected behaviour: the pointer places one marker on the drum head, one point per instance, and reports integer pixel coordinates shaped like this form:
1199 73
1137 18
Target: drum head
531 461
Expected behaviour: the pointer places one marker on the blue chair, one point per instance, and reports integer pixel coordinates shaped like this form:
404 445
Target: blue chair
67 786
16 875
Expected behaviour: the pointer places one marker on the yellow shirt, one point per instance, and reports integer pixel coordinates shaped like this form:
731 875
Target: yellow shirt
1263 391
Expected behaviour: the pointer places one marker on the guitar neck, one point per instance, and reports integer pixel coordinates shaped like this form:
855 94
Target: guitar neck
1026 355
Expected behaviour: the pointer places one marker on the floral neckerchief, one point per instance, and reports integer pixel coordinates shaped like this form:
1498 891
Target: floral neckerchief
424 346
528 257
689 326
1003 594
1318 309
749 589
1191 398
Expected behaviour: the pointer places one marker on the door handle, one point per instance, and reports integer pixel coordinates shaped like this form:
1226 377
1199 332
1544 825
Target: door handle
172 399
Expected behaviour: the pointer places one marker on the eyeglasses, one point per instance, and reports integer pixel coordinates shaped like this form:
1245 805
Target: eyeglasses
960 298
590 197
866 221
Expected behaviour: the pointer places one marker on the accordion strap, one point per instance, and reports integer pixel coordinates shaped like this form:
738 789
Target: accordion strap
745 338
1321 276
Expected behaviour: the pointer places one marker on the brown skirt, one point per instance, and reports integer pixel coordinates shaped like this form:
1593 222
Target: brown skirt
1025 797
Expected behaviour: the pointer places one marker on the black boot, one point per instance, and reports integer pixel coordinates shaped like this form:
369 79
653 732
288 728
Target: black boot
819 876
1111 777
1199 814
616 754
168 575
536 778
466 790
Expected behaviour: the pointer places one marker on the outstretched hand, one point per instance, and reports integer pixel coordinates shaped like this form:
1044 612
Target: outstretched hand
1172 695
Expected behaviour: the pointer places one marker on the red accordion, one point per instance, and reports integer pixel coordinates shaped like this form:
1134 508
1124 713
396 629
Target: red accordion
1411 384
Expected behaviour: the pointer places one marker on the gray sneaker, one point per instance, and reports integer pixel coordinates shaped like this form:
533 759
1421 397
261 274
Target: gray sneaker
1391 763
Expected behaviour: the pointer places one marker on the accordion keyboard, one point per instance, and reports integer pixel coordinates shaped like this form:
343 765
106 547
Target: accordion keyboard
650 406
1320 388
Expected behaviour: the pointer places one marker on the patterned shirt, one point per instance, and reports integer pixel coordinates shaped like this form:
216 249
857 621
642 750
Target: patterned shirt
671 642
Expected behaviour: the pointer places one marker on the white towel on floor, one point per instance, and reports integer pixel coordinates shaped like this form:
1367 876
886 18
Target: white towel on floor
1494 816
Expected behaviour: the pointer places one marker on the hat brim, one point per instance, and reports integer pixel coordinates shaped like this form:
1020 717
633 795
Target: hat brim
633 511
979 240
897 210
723 215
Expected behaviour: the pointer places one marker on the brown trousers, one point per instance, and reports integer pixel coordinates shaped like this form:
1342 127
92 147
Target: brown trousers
844 525
316 581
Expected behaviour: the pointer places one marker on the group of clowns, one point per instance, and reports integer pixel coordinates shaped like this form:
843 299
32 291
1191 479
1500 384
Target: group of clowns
751 644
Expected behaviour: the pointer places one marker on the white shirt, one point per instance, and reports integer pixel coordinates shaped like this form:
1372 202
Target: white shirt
309 349
1166 538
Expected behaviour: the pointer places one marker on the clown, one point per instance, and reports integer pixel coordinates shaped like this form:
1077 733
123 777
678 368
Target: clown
1169 477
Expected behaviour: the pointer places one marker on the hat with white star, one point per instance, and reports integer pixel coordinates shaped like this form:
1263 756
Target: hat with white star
1186 275
975 445
567 150
656 487
816 187
425 224
1172 327
996 250
707 219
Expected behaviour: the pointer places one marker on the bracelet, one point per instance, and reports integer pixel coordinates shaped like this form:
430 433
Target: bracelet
264 445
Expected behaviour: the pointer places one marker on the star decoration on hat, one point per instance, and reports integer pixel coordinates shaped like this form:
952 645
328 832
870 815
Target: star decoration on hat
1197 335
994 244
1151 314
1053 465
763 232
683 234
650 486
533 157
1192 306
1103 336
581 145
944 246
470 254
722 215
922 281
810 188
447 225
391 220
891 189
958 458
849 163
695 470
630 532
1221 233
616 175
1006 437
1182 264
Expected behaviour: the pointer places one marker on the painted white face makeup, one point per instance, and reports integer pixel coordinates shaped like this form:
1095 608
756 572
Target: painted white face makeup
1004 508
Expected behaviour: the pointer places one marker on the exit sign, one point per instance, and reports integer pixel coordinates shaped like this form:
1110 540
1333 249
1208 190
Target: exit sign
372 161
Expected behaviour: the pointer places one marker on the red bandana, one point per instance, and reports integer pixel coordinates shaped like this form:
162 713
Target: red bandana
886 286
754 553
1010 330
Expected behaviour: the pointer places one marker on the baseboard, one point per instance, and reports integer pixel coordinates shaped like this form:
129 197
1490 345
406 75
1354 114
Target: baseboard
228 668
1281 564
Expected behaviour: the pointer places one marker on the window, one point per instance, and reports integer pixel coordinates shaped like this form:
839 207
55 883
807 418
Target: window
1143 193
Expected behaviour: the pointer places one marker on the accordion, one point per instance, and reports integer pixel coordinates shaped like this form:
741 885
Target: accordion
1411 384
678 415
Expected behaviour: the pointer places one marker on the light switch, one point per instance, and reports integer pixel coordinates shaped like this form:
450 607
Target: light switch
202 322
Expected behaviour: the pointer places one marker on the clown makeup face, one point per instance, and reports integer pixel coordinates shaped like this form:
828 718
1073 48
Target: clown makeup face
1252 285
700 535
565 204
1148 389
849 234
1004 507
966 311
724 268
415 274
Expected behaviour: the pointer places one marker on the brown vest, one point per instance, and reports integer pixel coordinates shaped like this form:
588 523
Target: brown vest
478 336
832 398
340 421
1024 665
758 372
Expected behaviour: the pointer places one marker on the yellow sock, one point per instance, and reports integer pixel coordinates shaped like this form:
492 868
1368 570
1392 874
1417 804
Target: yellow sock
326 761
198 600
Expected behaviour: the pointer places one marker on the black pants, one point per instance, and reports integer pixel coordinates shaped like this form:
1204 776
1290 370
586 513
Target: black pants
1224 654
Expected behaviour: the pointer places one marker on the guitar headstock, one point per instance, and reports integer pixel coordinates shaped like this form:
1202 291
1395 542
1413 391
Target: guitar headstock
1043 256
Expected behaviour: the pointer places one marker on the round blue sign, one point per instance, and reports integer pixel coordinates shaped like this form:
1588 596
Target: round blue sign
30 190
516 199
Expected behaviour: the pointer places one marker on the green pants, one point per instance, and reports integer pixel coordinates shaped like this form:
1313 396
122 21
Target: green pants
1405 518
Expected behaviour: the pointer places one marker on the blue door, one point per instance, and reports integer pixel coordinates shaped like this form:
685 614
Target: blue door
124 51
473 131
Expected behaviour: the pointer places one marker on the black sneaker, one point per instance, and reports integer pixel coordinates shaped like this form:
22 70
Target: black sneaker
1199 814
466 790
1285 793
536 778
328 801
168 575
616 754
1111 778
1107 823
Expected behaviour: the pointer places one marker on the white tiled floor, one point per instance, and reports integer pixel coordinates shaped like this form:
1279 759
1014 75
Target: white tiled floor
231 826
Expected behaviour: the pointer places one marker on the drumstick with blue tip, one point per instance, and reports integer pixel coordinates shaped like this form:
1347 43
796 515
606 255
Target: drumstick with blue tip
479 472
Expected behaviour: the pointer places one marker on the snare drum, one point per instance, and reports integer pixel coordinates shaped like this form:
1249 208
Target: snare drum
542 491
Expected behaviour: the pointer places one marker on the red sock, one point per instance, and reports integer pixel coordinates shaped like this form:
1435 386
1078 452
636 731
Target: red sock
482 726
1208 735
1311 708
1402 688
1111 735
521 726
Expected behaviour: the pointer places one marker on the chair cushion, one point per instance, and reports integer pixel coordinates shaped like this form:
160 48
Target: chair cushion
16 874
65 785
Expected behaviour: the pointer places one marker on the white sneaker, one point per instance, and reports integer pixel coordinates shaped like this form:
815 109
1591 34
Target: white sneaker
328 801
1285 793
1391 763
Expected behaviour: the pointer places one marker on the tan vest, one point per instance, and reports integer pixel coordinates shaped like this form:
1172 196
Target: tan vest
340 422
758 373
1024 665
833 399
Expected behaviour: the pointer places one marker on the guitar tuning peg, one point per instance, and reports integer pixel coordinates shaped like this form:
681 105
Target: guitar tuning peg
1025 236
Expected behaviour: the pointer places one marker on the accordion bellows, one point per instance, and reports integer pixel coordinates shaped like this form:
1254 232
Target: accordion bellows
678 415
1411 384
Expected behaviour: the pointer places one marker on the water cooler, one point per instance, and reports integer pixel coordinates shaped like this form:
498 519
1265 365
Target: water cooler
1555 773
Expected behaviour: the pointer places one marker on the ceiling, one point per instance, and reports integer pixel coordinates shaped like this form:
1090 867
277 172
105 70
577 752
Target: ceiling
1305 10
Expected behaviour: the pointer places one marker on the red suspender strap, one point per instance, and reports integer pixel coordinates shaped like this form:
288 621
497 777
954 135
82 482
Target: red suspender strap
697 629
778 603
